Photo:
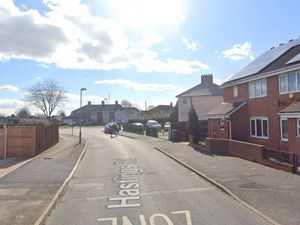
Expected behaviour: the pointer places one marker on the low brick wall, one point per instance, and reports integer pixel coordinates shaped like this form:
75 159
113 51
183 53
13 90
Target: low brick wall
216 145
245 150
28 141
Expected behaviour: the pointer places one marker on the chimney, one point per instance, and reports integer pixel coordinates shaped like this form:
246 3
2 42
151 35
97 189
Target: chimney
89 102
103 102
207 78
116 102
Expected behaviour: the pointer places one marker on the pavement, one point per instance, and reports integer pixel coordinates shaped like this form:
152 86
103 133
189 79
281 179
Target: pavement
271 193
29 187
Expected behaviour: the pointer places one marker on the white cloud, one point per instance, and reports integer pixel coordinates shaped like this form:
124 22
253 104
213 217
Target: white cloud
150 40
137 86
238 52
193 46
9 106
8 87
218 81
73 40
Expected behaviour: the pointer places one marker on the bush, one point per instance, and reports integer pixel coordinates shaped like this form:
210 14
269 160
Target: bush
193 125
34 122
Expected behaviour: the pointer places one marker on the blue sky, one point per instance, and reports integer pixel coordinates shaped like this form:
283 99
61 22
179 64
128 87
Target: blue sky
138 50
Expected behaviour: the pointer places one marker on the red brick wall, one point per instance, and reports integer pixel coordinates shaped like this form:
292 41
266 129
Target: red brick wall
244 150
269 107
294 140
216 145
249 151
215 131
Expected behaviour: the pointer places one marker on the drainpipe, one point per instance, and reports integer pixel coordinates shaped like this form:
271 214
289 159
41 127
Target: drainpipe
229 122
212 128
5 142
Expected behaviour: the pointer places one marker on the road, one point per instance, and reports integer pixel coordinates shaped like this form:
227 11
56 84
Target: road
122 181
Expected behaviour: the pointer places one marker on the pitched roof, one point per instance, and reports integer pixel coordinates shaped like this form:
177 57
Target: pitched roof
101 107
225 109
203 89
160 108
262 62
292 108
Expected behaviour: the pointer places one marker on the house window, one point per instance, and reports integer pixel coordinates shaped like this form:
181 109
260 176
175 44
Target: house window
284 129
259 127
258 88
289 82
222 125
235 91
184 100
298 127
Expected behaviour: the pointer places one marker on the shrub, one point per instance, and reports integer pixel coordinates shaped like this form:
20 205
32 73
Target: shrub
34 122
193 124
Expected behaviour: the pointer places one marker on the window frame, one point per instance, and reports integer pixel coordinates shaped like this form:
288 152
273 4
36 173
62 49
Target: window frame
262 119
281 134
285 77
235 91
222 124
258 85
298 127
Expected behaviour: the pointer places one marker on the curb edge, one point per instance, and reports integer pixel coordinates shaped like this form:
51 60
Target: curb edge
219 186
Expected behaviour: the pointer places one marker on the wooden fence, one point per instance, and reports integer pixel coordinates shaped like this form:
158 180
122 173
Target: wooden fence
27 141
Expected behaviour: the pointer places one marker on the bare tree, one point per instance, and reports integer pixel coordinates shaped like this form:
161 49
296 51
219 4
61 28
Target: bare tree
46 95
125 103
23 112
61 113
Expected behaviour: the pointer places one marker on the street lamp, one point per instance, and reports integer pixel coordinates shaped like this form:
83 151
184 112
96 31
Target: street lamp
82 89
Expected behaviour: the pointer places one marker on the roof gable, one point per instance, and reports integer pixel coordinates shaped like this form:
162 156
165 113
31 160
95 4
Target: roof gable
203 89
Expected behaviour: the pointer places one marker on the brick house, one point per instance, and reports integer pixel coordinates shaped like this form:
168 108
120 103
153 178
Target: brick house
203 97
262 101
104 113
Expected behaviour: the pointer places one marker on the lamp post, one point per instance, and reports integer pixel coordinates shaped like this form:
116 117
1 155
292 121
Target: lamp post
82 89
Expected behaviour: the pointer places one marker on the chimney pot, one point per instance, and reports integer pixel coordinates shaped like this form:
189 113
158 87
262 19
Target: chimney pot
207 78
103 102
89 102
116 102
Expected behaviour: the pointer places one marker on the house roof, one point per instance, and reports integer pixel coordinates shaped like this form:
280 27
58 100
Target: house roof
203 89
161 108
101 107
263 62
292 108
225 109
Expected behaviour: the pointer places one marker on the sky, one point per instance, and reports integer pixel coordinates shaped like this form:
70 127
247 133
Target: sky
138 50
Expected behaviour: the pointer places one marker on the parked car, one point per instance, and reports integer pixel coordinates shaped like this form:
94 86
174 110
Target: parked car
138 127
167 126
109 127
153 124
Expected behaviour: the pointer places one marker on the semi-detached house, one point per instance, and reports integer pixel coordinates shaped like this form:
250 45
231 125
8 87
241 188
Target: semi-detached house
262 101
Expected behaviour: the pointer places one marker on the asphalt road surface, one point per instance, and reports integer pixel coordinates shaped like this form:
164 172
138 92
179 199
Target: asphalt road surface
122 181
